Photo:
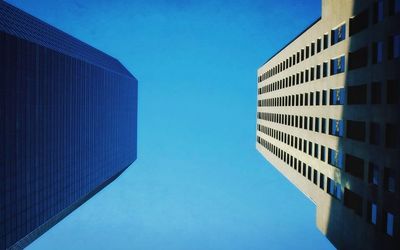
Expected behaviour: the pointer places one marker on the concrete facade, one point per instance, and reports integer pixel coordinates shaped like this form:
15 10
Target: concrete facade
328 119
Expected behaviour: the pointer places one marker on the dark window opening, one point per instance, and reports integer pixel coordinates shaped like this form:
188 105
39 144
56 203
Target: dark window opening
376 93
358 58
393 92
357 94
373 174
356 130
374 133
359 22
354 166
353 201
391 136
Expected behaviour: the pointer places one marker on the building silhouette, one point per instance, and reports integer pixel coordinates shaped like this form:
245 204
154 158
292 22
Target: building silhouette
328 118
68 124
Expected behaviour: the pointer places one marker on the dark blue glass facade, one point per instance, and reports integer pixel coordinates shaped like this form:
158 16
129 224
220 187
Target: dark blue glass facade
68 124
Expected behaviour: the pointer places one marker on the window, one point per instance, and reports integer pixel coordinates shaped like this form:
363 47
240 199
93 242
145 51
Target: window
316 127
389 180
315 177
319 41
318 76
334 189
323 125
389 223
337 96
336 127
356 130
391 136
359 22
335 158
358 58
338 34
309 173
374 133
325 69
394 47
375 93
357 94
354 166
373 174
311 99
322 153
337 65
312 49
324 97
321 181
378 11
307 52
373 212
317 98
353 201
394 7
326 41
312 74
393 92
377 52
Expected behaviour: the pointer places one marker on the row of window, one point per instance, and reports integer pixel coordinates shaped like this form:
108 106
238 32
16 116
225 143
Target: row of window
356 95
351 200
356 23
355 130
337 65
357 59
337 35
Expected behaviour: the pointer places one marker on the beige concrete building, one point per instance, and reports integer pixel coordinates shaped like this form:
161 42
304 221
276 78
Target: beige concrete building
328 118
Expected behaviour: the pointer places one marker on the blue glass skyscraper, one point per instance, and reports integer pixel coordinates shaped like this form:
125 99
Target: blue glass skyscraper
68 124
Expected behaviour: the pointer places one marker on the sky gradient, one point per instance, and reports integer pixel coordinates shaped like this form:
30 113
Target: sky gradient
198 182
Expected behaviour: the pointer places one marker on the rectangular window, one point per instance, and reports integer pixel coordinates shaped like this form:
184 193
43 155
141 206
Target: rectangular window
337 65
316 150
337 96
335 158
310 148
394 47
358 58
354 166
321 181
338 34
389 223
359 22
325 69
374 133
316 127
326 41
311 123
315 177
311 99
319 45
322 153
391 136
317 98
323 125
357 94
378 11
336 127
394 7
373 174
393 92
356 130
318 76
389 180
373 212
376 93
312 74
334 189
324 97
353 201
377 55
309 173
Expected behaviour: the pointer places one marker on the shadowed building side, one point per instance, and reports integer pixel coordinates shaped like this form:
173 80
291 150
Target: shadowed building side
328 118
68 124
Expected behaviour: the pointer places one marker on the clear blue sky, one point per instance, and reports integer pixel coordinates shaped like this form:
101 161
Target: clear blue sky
199 182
